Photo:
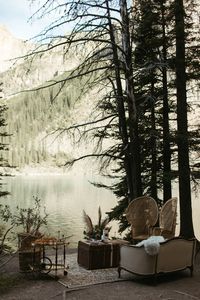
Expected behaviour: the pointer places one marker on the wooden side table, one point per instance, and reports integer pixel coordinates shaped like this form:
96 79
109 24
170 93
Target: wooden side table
99 255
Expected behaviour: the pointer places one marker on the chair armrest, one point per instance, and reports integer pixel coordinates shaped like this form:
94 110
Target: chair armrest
157 231
164 232
135 259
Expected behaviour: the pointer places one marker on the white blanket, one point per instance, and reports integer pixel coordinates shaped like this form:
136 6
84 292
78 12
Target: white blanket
152 244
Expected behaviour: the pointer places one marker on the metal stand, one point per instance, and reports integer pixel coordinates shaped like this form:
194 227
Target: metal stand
53 256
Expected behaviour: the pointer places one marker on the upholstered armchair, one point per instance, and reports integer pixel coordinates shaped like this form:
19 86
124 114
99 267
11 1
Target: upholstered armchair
173 255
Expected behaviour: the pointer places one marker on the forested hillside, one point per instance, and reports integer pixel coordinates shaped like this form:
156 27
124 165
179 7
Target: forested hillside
33 115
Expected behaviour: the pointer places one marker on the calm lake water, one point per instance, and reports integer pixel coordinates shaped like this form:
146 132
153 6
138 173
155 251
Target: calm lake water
65 197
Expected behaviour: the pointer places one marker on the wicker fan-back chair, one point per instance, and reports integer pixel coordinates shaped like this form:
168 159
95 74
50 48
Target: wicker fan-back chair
167 219
142 214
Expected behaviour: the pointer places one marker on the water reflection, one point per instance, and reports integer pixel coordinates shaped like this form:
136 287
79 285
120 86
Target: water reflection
65 197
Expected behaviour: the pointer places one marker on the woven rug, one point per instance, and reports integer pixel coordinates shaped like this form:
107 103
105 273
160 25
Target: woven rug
79 277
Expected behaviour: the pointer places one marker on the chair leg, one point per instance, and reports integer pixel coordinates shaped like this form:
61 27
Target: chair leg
155 279
191 271
119 272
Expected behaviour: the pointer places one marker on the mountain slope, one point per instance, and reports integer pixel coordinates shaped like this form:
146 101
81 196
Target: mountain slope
33 115
10 48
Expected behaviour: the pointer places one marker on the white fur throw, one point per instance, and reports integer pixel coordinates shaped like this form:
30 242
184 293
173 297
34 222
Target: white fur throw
152 244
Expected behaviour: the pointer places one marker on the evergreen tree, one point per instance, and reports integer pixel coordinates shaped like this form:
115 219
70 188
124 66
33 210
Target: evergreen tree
3 144
133 114
152 91
186 225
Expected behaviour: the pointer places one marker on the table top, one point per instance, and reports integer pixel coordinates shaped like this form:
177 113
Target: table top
103 243
50 241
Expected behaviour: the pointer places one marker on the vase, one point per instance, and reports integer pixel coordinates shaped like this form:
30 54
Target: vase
25 240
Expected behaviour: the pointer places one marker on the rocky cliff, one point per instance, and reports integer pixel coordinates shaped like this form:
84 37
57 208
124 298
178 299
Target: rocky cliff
19 70
10 48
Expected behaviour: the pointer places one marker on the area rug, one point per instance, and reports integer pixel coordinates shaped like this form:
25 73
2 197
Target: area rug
80 277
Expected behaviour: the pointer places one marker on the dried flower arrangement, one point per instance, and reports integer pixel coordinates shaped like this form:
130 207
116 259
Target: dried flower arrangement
95 231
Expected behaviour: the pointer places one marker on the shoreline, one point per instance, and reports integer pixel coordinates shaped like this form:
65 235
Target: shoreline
40 170
80 169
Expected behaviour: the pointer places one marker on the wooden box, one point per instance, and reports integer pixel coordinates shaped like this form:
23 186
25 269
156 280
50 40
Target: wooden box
92 255
28 258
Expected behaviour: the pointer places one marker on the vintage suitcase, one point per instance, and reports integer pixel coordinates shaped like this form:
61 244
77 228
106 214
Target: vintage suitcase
98 255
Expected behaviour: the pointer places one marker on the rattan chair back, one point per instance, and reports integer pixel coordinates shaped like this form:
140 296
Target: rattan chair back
142 214
167 216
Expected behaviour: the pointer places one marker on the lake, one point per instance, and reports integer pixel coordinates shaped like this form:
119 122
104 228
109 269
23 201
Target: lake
65 197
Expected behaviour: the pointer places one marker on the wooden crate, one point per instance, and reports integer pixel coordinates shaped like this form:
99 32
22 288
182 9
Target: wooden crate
98 255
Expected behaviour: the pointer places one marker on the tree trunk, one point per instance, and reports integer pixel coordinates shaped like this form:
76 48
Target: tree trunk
153 184
134 145
167 186
186 225
121 112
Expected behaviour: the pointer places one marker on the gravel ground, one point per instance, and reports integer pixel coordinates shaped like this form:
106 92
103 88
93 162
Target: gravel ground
18 286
